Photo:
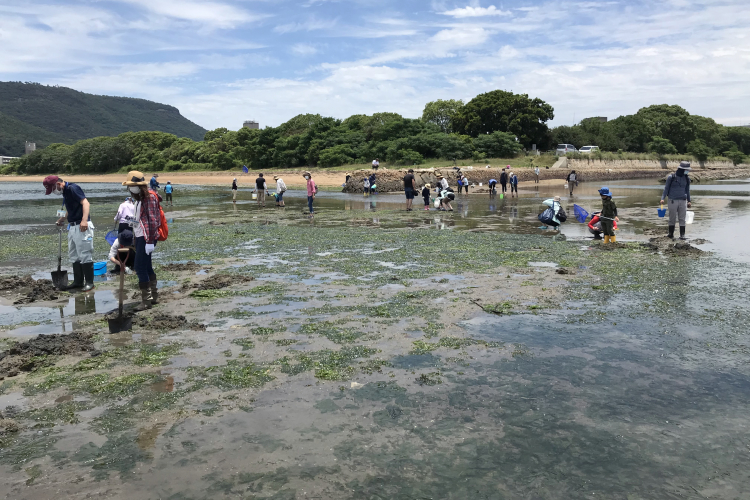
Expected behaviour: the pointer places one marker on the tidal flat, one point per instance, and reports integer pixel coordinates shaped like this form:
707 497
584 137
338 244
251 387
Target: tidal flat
384 354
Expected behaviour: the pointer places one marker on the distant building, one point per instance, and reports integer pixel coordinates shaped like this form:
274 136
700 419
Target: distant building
30 147
4 160
251 124
602 119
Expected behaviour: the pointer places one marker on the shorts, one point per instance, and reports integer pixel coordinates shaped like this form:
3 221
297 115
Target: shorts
169 196
409 193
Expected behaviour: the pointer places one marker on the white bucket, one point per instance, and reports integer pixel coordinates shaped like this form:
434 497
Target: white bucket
480 184
689 216
255 196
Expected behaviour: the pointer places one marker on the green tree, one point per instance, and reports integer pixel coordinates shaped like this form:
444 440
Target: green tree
670 122
497 145
336 155
661 147
699 150
215 134
501 111
736 156
441 113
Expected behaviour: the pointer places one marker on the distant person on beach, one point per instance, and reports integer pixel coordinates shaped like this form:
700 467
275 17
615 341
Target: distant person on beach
410 188
154 184
572 181
503 181
124 214
311 190
536 172
168 191
608 215
366 185
446 196
464 184
677 189
373 186
492 185
375 164
442 183
426 196
513 181
280 190
234 190
262 189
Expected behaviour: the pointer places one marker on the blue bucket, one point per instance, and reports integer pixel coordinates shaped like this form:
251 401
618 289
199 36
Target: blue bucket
661 211
111 236
100 268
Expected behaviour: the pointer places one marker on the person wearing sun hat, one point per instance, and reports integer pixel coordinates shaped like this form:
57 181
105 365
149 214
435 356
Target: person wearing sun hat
426 196
146 222
677 189
280 190
608 215
81 232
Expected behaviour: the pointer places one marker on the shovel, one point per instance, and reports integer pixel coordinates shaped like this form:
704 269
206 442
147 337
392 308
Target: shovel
60 277
120 323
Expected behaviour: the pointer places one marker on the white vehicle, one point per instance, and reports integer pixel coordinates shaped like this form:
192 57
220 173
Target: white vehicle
588 149
565 148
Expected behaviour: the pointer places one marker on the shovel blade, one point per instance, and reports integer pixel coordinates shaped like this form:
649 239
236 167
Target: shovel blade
120 324
60 279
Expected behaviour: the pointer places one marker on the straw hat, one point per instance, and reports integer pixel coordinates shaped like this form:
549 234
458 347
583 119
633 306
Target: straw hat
306 172
556 198
427 186
135 178
276 177
439 175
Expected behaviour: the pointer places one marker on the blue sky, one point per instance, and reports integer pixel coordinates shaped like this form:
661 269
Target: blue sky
222 62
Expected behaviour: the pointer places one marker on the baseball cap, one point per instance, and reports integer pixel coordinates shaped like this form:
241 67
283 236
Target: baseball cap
49 183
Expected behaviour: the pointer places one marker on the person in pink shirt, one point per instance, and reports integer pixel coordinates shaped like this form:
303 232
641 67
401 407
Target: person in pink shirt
311 190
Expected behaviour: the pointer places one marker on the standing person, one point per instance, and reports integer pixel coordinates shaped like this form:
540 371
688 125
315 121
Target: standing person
124 214
410 188
464 184
168 192
536 172
154 184
373 186
492 185
375 164
280 190
366 185
81 232
234 190
426 196
442 182
262 189
608 215
146 231
503 180
677 189
513 181
348 176
311 190
572 181
124 240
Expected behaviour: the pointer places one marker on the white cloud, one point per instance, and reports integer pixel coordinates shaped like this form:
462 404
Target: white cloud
208 13
470 11
461 37
303 49
310 24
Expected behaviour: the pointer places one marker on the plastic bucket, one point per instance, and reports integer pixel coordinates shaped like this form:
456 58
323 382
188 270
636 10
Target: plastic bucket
100 268
661 211
255 196
689 216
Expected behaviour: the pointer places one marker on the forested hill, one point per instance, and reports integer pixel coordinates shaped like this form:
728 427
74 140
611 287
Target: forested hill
45 115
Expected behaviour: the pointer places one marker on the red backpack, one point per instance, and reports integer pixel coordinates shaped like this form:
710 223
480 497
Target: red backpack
163 231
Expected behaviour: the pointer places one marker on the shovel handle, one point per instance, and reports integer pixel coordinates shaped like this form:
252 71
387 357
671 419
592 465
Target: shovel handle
122 280
59 252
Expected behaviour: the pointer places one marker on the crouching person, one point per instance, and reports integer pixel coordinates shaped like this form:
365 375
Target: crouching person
146 222
124 241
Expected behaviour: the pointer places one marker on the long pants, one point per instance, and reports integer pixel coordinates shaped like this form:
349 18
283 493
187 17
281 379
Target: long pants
677 210
143 267
279 196
514 188
492 188
81 244
426 201
503 186
309 203
169 197
261 197
234 194
608 227
536 180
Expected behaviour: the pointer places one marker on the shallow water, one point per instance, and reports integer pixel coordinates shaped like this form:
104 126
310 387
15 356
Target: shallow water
627 380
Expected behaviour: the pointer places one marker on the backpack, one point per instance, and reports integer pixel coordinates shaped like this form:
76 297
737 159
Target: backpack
163 231
547 217
561 215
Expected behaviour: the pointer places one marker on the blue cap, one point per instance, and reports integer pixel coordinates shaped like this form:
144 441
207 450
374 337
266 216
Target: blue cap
605 191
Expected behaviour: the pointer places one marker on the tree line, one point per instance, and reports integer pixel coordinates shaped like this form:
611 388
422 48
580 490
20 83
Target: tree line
496 124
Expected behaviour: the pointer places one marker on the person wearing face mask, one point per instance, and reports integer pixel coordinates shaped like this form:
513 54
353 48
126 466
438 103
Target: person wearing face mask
311 190
146 222
81 232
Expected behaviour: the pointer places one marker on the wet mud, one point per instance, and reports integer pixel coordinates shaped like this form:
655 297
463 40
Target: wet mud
26 290
35 353
677 247
162 321
219 281
184 267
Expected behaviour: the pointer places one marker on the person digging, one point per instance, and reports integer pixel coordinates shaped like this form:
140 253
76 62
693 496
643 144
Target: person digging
81 232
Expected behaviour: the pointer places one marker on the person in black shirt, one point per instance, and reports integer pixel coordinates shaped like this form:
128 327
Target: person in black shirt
81 232
410 188
234 190
426 196
261 189
504 181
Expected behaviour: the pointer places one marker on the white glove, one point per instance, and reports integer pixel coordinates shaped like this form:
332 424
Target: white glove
128 270
149 248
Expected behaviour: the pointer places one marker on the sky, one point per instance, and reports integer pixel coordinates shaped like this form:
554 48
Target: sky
223 62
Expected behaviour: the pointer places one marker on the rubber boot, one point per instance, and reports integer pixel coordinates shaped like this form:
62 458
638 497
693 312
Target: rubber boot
77 277
671 232
88 274
606 238
613 239
154 292
682 233
145 296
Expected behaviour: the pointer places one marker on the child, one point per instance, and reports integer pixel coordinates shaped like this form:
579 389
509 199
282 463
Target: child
366 186
608 215
426 196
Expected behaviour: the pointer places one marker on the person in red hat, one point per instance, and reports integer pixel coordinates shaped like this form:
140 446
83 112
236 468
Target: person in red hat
81 232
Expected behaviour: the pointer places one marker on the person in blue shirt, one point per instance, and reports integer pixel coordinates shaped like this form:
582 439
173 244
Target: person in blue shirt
493 183
81 232
168 191
154 184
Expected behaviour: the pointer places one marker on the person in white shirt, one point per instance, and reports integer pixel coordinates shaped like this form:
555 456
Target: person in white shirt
124 240
536 171
280 189
375 164
125 214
